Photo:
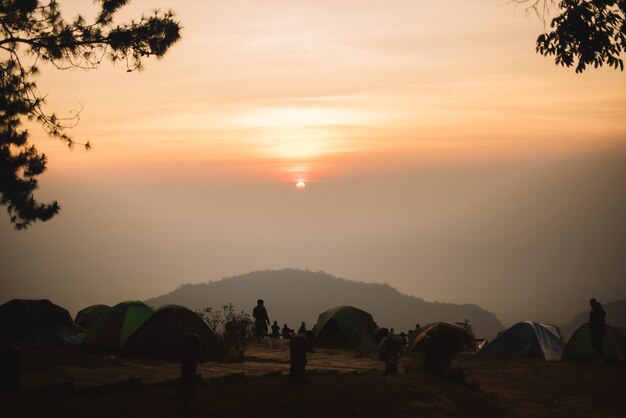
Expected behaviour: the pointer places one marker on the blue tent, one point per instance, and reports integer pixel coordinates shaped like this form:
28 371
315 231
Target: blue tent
527 339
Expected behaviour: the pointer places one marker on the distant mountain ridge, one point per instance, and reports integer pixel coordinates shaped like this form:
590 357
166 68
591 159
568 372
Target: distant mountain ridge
615 315
292 296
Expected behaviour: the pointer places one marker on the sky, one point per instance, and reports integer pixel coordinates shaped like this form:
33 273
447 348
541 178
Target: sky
440 153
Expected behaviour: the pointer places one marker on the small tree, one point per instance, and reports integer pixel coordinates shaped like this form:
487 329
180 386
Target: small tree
234 330
32 32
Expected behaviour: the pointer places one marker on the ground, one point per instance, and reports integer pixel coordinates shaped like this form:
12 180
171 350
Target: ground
342 384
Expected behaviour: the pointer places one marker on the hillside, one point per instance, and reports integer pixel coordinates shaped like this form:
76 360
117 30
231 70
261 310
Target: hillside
292 296
615 315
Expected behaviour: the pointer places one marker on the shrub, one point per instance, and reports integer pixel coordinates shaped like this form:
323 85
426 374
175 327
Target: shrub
234 330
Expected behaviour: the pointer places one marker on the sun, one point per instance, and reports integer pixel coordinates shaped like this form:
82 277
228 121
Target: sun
300 185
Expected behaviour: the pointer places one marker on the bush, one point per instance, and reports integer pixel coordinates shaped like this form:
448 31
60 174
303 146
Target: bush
234 331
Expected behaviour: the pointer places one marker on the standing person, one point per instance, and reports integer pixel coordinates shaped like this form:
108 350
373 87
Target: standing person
390 349
414 332
286 332
261 320
275 330
597 327
302 329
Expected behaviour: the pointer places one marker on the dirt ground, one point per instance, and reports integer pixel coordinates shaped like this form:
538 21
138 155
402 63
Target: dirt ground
507 387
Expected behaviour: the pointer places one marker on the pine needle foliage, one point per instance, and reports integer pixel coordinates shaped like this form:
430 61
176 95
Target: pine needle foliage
32 32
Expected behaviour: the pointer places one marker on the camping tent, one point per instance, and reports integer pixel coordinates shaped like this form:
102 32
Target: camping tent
85 318
526 339
160 337
36 322
456 337
345 326
111 331
579 345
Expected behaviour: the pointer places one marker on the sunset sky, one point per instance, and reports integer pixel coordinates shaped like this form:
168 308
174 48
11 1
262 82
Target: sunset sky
440 153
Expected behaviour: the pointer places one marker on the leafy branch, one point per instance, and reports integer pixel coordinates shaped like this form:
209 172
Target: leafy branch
585 32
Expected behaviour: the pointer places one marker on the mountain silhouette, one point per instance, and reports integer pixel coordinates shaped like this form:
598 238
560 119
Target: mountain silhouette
615 315
292 296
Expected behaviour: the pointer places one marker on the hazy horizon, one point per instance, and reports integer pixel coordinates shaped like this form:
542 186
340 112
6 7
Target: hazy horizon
441 156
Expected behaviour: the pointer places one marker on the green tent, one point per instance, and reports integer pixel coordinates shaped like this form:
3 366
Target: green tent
346 326
111 331
579 345
85 318
160 336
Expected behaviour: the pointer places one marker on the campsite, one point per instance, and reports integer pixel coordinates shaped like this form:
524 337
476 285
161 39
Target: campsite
324 209
128 363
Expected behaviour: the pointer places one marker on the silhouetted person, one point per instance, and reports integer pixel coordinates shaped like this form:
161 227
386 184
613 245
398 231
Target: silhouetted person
298 346
404 337
275 330
302 329
414 332
286 332
261 320
434 360
389 350
441 344
597 326
439 350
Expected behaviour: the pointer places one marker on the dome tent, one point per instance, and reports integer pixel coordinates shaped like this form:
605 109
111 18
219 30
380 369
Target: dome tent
88 316
160 336
579 346
345 326
111 331
527 339
35 323
455 335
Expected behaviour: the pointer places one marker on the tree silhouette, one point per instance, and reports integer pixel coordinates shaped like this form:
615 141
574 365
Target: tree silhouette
31 32
584 33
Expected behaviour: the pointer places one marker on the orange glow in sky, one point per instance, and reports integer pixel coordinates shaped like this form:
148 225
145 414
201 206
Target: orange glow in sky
269 88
